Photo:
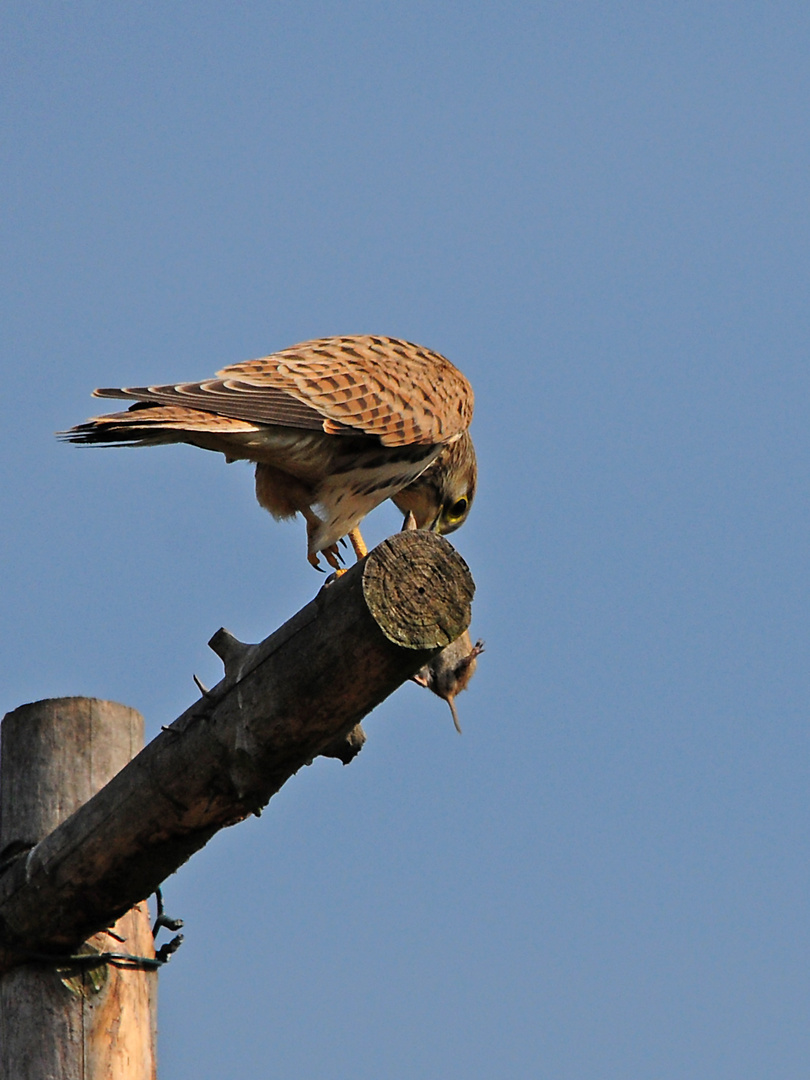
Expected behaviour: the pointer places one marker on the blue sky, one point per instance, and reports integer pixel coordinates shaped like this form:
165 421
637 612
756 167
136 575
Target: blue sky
600 213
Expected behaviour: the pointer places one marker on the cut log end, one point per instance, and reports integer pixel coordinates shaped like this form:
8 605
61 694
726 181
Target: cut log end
418 589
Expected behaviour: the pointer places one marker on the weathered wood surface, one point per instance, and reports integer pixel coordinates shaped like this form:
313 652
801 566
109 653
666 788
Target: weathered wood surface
71 1024
300 693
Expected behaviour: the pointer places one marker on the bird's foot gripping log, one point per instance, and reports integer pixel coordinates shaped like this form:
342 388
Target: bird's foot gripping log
300 693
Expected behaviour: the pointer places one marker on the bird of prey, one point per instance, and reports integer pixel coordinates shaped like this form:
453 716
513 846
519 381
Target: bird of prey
335 427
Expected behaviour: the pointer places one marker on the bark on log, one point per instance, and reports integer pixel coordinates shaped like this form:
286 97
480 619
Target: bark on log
72 1023
300 693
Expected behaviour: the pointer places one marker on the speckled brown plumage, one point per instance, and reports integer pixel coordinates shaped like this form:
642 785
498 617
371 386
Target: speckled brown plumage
335 426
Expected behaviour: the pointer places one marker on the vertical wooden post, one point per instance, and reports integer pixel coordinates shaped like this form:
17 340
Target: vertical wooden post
70 1023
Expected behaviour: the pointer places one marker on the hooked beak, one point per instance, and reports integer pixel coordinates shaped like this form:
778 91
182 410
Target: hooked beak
435 526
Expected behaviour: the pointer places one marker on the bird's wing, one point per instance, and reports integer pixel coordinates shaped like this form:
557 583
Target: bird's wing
147 424
231 398
379 386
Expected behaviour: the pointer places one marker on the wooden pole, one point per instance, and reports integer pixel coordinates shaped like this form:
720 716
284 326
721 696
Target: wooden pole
299 693
69 1022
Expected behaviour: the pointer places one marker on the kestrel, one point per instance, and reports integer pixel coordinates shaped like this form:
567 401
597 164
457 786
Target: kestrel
335 427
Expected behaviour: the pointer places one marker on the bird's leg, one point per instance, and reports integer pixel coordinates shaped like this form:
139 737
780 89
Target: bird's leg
331 553
332 556
360 550
358 543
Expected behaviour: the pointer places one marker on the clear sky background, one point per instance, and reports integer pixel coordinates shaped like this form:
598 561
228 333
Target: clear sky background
600 213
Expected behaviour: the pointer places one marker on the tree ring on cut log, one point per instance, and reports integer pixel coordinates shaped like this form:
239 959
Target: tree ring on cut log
429 606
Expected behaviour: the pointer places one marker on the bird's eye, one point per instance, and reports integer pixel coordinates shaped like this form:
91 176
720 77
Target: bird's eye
457 510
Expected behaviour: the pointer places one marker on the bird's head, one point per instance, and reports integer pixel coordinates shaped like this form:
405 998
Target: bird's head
441 497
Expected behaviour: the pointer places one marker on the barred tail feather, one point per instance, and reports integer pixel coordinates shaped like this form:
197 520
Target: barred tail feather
145 424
